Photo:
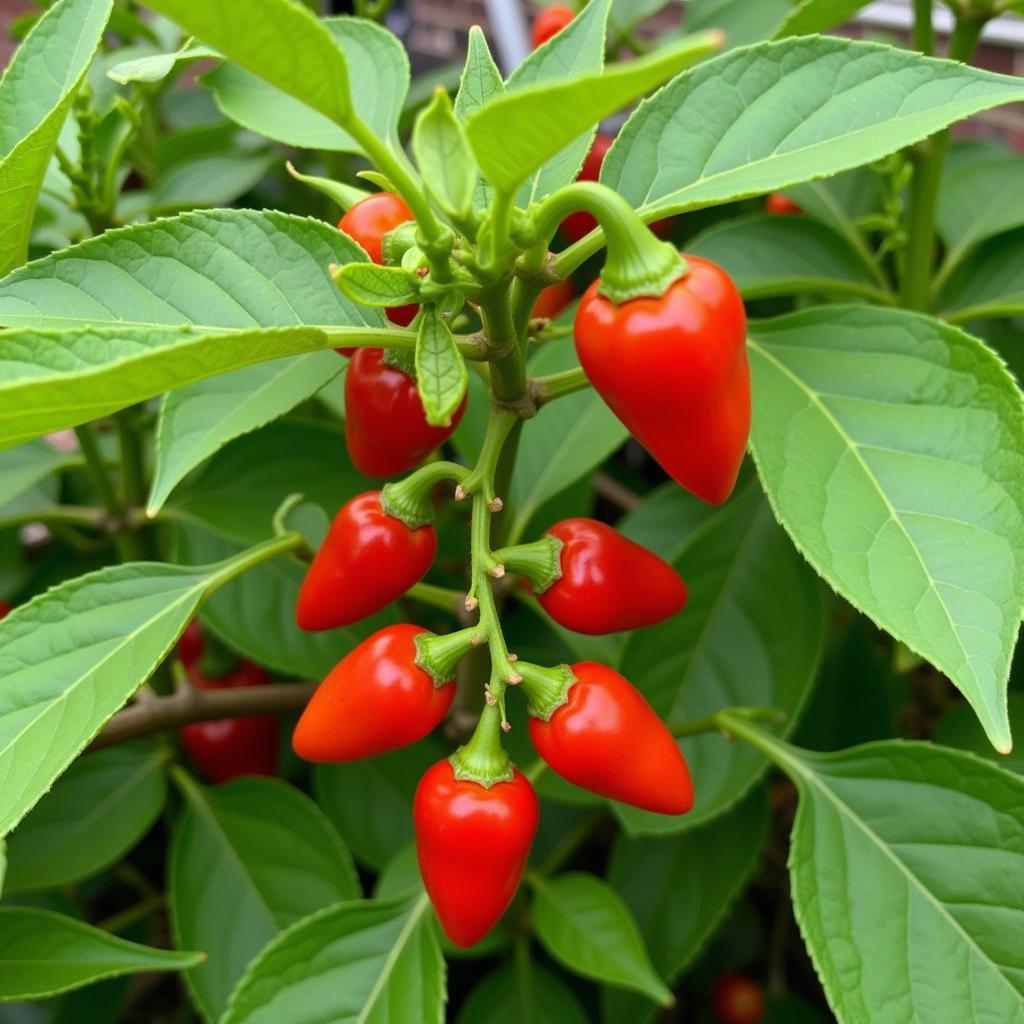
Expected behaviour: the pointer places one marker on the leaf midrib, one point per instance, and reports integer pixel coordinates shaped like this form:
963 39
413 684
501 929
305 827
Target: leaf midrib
397 948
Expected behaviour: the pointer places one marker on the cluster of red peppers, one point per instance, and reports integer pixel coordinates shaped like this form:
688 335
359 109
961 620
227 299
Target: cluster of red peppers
673 368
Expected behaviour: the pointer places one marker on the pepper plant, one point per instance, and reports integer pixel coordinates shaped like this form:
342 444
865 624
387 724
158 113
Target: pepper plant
385 642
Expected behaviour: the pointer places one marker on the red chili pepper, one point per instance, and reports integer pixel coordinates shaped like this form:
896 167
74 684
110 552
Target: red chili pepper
549 21
5 609
738 1000
608 583
226 748
674 370
780 204
553 299
367 222
367 560
472 844
607 738
377 698
386 429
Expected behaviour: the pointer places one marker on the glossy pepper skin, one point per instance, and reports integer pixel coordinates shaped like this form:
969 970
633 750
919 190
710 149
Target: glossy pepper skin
674 370
472 843
779 204
608 582
737 1000
549 21
226 748
386 429
374 700
367 222
607 738
367 560
553 299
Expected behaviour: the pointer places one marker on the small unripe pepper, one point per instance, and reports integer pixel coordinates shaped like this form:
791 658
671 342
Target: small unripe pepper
598 731
226 748
549 21
472 842
737 1000
391 690
591 579
386 428
369 558
673 368
367 222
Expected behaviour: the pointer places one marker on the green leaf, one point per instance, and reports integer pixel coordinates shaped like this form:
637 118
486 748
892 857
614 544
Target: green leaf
905 860
36 92
741 21
774 114
768 256
311 67
97 811
370 802
748 587
444 157
897 466
372 285
72 656
586 927
545 118
356 963
441 374
158 66
24 467
523 992
481 81
376 61
818 15
989 282
249 859
42 953
959 728
679 890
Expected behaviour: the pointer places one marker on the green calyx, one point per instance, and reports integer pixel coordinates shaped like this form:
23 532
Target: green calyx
546 689
638 262
397 243
483 759
439 656
410 500
539 562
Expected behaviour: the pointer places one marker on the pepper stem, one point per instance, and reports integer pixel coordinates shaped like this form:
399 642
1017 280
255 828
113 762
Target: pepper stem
540 561
483 759
546 689
439 655
410 499
638 263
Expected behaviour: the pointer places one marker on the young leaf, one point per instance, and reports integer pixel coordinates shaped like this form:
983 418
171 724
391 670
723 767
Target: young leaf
545 118
97 811
311 67
938 835
248 859
343 194
909 454
158 66
747 586
441 374
373 285
768 116
376 61
359 961
444 157
768 256
42 953
72 656
481 81
585 926
36 93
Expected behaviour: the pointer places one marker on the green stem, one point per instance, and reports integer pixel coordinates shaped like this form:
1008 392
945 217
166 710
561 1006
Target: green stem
505 347
233 567
441 598
133 914
482 478
411 499
74 515
503 480
555 385
924 32
128 543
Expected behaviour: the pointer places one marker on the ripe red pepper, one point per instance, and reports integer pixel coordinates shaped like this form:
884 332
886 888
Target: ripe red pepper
605 737
5 609
674 369
377 698
608 583
226 748
472 843
367 560
737 1000
553 299
367 222
549 21
780 204
386 429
